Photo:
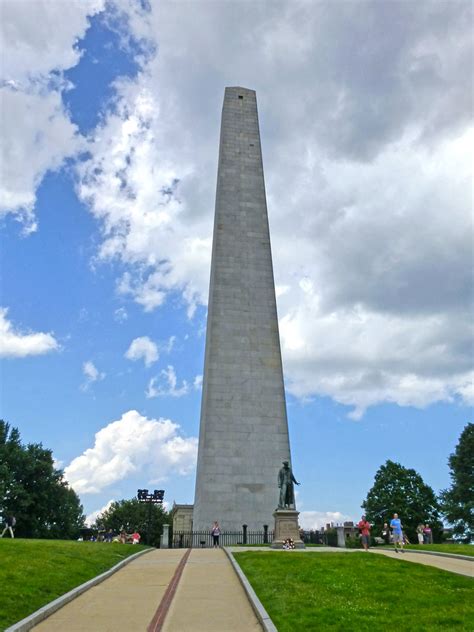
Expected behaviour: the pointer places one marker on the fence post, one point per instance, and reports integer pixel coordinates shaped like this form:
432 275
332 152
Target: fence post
244 528
265 534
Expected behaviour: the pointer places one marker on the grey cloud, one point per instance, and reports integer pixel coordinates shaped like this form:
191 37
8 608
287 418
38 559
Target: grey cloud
364 111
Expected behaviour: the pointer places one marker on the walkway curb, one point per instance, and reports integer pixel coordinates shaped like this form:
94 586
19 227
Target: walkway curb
455 556
262 615
43 613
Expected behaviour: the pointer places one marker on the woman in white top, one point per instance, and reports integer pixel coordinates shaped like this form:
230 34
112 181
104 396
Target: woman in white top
215 532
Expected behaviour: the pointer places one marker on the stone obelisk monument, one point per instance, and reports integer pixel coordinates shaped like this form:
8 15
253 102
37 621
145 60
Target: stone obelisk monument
243 436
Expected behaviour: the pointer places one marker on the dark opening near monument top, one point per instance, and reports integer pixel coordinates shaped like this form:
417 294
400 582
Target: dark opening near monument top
243 435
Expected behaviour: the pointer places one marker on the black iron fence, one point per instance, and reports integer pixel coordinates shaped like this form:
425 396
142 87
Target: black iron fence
203 539
314 537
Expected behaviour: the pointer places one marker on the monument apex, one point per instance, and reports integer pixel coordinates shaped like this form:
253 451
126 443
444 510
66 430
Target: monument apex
243 435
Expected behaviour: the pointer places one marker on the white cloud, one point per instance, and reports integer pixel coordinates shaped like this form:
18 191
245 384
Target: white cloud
39 36
15 344
92 517
133 444
166 384
37 136
131 187
197 382
92 374
143 348
316 519
38 44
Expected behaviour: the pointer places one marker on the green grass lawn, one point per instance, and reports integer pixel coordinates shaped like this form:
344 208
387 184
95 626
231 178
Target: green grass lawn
34 572
459 549
357 591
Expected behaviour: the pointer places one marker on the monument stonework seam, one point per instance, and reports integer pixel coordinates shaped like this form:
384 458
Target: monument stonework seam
243 435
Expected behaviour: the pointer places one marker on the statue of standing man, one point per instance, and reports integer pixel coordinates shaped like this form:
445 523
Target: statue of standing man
285 483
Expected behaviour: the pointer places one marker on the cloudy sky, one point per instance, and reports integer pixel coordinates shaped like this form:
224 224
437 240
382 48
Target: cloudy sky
110 125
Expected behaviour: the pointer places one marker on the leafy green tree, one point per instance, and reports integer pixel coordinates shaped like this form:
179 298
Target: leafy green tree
400 490
131 515
34 491
457 502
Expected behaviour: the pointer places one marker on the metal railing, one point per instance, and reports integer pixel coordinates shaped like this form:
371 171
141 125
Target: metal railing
203 539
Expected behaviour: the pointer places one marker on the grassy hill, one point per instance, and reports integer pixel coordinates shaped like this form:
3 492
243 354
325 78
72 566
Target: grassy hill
34 572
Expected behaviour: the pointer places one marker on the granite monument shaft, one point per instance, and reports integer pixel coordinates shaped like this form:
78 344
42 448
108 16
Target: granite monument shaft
244 430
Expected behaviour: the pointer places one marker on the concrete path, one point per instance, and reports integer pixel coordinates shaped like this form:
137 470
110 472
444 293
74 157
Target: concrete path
462 567
125 602
210 597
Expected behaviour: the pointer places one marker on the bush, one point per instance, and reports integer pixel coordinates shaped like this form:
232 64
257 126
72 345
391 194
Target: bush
353 542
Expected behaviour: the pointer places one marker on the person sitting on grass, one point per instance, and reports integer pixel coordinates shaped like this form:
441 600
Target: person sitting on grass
135 537
397 533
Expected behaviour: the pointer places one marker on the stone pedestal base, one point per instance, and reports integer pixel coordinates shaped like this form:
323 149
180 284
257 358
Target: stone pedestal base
286 526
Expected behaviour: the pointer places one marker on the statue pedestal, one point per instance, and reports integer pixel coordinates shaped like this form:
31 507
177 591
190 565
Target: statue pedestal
286 526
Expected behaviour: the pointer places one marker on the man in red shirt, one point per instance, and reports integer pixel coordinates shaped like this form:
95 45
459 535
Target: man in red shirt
364 527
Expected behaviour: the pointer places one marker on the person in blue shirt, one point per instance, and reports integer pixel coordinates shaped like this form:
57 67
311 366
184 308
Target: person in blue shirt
396 526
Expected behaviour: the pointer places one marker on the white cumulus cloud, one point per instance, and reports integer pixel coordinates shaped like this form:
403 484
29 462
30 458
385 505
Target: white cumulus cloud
132 444
92 517
17 344
38 43
143 348
316 519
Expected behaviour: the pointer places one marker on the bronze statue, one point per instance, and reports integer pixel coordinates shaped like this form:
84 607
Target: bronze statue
285 483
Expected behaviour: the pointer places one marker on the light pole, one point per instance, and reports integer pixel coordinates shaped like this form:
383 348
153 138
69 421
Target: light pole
151 499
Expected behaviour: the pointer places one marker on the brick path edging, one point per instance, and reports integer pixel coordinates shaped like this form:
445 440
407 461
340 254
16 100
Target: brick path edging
156 624
262 615
43 613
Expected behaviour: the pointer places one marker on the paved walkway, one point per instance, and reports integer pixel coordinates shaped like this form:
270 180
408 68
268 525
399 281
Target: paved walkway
125 602
462 567
208 597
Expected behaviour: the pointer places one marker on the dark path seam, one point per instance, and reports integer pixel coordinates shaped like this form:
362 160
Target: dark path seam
156 624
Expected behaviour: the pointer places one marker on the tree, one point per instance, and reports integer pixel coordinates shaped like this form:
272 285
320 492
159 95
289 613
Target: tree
400 490
131 515
457 502
34 491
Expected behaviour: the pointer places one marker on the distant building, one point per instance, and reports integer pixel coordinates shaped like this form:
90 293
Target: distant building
182 516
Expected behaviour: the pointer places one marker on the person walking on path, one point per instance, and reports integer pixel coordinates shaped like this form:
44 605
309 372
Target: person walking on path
215 532
10 522
428 534
364 527
397 532
419 533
